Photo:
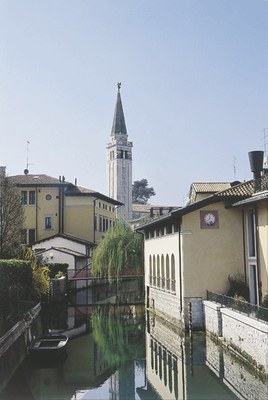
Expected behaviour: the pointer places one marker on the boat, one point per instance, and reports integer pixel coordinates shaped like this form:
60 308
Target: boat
48 347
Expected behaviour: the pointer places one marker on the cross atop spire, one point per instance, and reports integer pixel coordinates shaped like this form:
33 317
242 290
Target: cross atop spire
119 86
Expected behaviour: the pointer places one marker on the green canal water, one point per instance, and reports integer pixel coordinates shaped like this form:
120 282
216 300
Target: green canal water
120 353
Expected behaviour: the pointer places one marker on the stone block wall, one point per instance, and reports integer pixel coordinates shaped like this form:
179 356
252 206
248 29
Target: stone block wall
213 321
234 374
167 306
247 336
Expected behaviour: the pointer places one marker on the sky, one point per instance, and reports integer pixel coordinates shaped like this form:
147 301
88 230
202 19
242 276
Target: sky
194 77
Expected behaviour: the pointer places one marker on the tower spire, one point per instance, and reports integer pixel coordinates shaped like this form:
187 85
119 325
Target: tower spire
119 161
119 124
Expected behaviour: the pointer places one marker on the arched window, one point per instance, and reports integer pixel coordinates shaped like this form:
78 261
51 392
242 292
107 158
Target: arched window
158 271
167 273
173 277
163 283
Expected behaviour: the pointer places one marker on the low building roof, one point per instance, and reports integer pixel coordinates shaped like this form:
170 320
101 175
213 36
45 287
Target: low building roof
238 192
82 191
210 187
71 189
68 237
36 180
64 250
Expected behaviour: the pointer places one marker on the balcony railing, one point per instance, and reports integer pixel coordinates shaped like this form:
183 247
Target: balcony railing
237 304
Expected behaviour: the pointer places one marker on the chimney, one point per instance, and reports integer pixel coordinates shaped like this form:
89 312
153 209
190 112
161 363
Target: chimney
256 162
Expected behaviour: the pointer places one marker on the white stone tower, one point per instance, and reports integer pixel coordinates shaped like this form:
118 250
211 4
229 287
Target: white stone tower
119 159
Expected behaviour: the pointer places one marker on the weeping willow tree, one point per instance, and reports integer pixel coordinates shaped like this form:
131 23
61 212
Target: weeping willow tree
121 248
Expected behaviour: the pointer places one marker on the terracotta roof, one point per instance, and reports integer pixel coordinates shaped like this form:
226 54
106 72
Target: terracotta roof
210 187
81 191
35 179
241 190
85 190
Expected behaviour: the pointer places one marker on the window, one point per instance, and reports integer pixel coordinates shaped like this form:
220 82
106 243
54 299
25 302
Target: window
31 236
32 197
48 222
24 197
251 233
173 276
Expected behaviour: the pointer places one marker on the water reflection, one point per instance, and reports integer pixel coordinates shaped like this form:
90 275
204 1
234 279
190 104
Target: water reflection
180 367
113 355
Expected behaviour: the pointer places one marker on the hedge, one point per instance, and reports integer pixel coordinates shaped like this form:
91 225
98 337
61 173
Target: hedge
16 281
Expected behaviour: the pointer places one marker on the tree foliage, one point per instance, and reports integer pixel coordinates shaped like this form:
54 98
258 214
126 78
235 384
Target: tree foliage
11 219
120 248
40 274
141 192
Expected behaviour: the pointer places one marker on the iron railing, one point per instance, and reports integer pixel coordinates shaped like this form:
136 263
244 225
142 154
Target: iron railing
235 303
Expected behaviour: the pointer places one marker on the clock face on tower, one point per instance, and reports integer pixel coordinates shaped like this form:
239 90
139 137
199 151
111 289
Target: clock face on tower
209 219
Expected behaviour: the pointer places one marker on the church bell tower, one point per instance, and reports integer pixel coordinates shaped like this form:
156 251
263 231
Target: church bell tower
119 159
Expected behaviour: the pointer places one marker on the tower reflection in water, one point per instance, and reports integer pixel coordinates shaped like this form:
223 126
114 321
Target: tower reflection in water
183 367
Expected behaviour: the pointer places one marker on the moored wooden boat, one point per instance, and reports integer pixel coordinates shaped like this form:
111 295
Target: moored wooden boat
48 347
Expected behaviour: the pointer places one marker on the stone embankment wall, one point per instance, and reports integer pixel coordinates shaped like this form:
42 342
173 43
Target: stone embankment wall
246 336
14 344
234 374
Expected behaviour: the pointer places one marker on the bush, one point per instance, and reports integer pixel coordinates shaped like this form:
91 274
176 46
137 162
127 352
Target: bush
238 287
40 281
57 270
265 302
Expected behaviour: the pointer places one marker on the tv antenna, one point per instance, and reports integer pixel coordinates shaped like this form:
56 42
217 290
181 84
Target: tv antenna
26 171
234 166
265 137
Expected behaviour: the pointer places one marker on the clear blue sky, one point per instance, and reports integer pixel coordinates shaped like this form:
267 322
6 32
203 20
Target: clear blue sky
194 79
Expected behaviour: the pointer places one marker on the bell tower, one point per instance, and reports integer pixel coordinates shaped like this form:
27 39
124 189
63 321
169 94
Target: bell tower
119 160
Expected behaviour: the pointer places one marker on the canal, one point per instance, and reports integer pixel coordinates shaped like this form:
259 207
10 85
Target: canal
118 352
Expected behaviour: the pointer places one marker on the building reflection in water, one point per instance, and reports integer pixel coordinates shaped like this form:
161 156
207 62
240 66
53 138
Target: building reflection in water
109 358
181 367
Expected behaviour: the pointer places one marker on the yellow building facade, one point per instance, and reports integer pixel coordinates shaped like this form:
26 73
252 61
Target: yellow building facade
53 206
196 248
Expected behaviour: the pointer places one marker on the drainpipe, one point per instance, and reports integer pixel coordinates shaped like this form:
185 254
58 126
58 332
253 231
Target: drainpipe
244 245
259 298
61 210
180 267
94 220
36 213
